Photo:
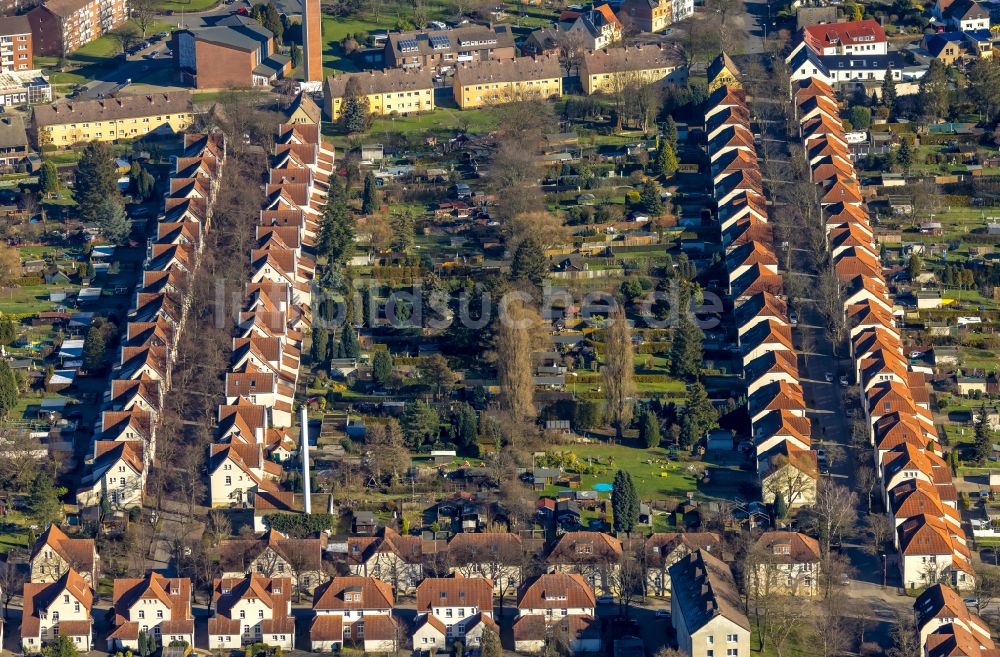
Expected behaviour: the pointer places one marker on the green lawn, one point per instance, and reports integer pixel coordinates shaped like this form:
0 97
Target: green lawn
180 5
441 120
28 299
654 474
12 537
335 28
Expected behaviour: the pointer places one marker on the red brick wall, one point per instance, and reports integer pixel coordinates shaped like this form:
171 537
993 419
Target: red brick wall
219 67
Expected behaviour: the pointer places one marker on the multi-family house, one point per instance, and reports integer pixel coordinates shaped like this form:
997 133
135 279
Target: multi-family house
554 604
962 15
497 81
614 69
646 15
723 72
592 29
354 611
15 44
57 608
274 555
706 609
594 555
930 552
388 92
55 553
663 549
498 556
451 609
251 609
787 562
156 606
390 556
65 123
442 50
61 26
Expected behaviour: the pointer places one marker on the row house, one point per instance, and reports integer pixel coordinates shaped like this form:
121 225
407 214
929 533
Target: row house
252 433
940 611
125 438
155 606
916 482
786 464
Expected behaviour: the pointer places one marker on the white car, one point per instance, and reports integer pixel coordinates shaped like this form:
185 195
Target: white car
662 613
829 377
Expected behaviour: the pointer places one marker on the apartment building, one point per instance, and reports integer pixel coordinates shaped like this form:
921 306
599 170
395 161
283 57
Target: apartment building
66 123
62 26
356 611
391 91
15 44
441 50
611 70
495 82
647 15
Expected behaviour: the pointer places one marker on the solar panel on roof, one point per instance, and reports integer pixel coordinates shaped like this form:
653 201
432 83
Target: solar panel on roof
408 45
439 41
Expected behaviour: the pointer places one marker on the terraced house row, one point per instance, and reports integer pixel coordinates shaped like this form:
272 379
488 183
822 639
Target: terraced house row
786 464
125 440
253 434
919 494
60 596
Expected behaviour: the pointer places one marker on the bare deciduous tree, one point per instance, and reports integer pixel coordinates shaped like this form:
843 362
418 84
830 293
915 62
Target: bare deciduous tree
835 510
514 365
618 372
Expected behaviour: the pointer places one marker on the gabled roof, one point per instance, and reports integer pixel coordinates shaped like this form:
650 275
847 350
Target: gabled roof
274 592
362 548
942 602
953 640
722 61
703 587
761 304
660 545
455 591
584 547
556 591
785 453
39 596
852 33
333 594
79 553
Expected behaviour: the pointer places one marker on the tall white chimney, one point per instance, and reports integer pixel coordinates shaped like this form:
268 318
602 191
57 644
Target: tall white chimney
306 490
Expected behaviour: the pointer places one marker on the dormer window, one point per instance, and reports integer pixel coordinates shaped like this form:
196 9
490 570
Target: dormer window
783 548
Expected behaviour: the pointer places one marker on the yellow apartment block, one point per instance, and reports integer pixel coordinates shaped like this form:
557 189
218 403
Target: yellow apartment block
113 119
394 90
611 70
502 81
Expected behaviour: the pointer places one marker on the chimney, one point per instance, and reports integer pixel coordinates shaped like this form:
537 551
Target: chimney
306 491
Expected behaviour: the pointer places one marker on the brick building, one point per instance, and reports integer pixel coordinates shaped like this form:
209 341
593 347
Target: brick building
235 52
443 49
15 44
62 26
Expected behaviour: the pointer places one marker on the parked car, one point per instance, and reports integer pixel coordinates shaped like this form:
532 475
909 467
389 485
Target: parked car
843 380
829 377
606 600
662 613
